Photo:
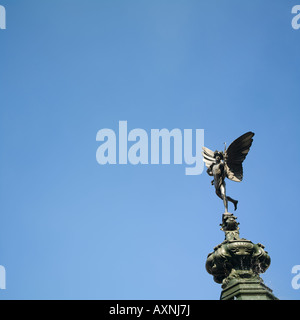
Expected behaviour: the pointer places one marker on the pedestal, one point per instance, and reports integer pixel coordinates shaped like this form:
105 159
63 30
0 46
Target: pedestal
236 263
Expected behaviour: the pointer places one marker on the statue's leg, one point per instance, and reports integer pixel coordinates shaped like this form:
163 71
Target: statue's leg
223 197
235 202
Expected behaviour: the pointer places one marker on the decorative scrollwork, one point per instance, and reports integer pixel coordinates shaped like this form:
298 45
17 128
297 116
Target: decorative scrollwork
235 256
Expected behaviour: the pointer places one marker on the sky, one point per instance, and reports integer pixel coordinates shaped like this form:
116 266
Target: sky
71 228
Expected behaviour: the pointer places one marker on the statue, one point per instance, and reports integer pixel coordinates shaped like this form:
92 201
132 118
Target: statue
236 263
227 164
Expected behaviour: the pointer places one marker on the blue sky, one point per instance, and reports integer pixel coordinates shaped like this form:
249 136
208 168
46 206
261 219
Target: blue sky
73 229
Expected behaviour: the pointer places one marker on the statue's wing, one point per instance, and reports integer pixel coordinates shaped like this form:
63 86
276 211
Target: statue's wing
236 154
208 156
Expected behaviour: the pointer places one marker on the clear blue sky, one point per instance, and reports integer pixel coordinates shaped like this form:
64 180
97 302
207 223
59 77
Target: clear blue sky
72 229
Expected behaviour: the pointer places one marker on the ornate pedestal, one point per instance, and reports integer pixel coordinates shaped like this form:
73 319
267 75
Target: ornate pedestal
236 263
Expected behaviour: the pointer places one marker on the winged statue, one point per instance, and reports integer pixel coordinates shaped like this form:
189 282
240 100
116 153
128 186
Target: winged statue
227 164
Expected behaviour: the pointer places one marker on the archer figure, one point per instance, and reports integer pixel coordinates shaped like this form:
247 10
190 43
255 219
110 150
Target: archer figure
227 164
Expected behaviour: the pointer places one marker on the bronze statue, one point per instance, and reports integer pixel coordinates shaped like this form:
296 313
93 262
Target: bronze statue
227 164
